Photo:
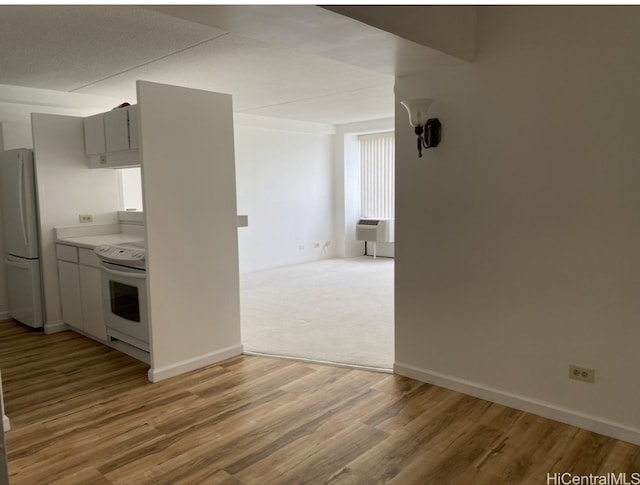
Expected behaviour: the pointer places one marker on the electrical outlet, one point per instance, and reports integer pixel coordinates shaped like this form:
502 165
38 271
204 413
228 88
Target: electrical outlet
301 247
316 245
85 218
581 373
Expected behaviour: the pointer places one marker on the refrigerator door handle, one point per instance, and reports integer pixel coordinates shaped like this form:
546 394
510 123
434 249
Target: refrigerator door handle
23 204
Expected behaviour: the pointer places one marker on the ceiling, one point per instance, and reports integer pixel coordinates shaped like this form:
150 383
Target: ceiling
103 50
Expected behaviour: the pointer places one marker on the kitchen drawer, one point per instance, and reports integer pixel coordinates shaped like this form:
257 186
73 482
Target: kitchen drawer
89 258
67 253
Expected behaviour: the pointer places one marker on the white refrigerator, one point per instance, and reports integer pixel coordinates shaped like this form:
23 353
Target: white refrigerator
20 231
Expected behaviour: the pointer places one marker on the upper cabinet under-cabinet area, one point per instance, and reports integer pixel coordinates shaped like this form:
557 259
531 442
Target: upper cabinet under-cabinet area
111 138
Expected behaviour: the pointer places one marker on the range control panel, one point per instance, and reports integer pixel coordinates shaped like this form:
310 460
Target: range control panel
122 255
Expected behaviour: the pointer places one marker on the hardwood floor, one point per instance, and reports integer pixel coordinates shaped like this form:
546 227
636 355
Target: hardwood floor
82 413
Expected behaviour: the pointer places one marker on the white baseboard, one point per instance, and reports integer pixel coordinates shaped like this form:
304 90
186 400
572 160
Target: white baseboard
540 408
55 327
161 373
6 423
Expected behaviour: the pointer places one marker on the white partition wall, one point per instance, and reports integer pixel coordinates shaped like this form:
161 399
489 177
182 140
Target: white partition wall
189 190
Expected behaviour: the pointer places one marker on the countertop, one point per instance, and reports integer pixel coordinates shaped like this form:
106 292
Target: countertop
92 235
90 242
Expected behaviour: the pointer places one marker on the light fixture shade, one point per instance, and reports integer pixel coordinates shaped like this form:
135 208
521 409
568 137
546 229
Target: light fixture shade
417 109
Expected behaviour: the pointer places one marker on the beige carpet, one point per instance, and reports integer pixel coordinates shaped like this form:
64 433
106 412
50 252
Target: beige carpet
334 310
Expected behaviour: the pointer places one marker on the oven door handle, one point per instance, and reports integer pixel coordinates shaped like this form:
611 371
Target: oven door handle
140 276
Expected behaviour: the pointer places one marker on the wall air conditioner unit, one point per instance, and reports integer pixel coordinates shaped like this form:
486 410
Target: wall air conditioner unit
375 231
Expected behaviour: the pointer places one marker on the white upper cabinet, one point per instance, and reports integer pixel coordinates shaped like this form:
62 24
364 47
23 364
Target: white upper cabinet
111 138
116 130
134 140
94 141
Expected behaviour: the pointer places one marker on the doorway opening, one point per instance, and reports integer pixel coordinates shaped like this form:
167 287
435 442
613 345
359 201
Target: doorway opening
338 306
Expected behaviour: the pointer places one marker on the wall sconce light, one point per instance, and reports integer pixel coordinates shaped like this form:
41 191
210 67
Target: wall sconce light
427 129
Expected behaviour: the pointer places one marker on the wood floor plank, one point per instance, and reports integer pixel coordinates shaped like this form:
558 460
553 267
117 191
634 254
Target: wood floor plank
456 462
27 437
623 458
322 377
62 459
83 413
187 468
518 459
385 460
316 464
212 432
43 411
585 454
296 436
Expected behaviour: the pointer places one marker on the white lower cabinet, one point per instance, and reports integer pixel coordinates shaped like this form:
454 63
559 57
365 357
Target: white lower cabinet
91 293
81 290
70 294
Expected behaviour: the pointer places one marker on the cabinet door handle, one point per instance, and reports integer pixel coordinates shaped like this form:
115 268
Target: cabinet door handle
126 274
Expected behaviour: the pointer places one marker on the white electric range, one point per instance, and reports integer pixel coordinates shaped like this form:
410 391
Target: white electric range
124 292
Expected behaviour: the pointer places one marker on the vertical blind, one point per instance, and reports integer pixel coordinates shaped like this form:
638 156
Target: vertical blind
377 172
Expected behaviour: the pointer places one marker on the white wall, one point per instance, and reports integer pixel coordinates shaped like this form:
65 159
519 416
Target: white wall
189 190
17 103
66 188
15 135
284 179
517 238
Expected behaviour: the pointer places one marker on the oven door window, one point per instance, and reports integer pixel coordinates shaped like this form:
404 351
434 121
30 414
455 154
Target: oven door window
125 302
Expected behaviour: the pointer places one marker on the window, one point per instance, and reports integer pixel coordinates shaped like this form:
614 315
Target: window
377 172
